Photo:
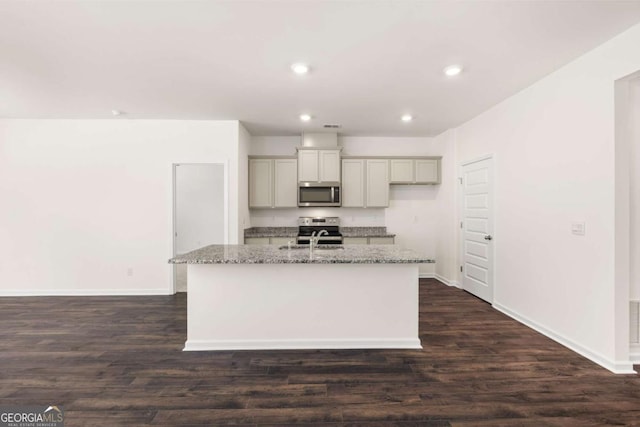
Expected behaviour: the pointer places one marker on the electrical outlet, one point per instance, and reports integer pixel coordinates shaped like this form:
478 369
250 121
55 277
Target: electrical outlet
578 228
129 271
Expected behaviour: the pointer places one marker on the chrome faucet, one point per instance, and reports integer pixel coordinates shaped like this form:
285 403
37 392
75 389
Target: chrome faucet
321 233
313 240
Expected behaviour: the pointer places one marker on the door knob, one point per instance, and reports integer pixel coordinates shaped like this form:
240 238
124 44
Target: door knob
488 237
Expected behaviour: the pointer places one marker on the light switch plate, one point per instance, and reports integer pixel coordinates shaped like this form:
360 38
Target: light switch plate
578 228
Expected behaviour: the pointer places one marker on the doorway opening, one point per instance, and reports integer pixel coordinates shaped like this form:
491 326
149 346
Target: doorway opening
200 211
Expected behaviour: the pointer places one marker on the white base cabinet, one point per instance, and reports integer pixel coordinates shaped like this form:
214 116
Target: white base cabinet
256 241
269 240
356 240
381 240
302 306
369 240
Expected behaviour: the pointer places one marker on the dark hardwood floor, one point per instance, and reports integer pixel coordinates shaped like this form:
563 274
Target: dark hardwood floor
118 361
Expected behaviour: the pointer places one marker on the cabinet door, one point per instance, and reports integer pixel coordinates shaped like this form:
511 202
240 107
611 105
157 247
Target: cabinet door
353 183
308 166
260 183
329 165
285 191
355 240
256 240
377 186
281 241
427 171
381 240
402 171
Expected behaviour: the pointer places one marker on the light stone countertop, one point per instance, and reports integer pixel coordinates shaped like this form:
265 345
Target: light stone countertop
293 232
271 254
271 232
365 232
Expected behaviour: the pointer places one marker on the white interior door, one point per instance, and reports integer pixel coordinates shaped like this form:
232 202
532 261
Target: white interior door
477 228
199 213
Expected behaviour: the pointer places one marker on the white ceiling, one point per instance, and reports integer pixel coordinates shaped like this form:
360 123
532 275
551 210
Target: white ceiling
371 61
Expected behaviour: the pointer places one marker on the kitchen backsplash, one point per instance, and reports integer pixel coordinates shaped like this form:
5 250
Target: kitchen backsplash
349 217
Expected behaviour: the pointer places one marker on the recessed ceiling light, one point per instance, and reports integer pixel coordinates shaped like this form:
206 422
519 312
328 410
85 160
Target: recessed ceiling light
453 70
300 68
406 118
116 112
305 117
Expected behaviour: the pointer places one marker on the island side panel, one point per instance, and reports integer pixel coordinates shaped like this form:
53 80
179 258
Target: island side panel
302 306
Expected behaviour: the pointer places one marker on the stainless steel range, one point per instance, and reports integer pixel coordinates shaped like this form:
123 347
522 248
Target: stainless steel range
328 228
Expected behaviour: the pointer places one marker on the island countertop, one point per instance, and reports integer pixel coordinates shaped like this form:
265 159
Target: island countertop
272 254
293 232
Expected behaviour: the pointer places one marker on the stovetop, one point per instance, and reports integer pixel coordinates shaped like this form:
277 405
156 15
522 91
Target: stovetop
309 225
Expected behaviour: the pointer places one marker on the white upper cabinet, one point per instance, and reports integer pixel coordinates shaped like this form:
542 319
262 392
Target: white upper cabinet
308 166
329 165
415 171
285 183
402 170
273 183
260 183
318 165
377 183
365 183
353 183
427 171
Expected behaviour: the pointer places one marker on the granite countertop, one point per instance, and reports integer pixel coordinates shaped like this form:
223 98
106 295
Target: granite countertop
365 232
271 232
271 254
293 232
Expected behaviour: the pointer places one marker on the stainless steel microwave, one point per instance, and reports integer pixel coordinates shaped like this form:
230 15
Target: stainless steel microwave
318 194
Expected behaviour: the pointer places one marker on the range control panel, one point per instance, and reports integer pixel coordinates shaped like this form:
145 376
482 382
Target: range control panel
319 221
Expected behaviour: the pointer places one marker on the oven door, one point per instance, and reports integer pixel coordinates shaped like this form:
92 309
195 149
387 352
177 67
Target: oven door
318 194
324 240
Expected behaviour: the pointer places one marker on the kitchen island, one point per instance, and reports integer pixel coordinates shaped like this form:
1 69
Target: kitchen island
244 297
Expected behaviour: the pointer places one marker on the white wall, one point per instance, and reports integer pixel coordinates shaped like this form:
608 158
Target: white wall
415 213
554 163
85 202
447 220
244 220
635 191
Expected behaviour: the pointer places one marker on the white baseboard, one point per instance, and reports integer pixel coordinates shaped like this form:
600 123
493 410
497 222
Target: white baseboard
615 366
447 282
634 353
82 292
440 278
207 345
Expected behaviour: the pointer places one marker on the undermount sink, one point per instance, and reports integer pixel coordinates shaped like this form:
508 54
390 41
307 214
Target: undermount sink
327 248
319 248
292 247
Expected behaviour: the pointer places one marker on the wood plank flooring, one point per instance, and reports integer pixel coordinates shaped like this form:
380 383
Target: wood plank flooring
118 361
